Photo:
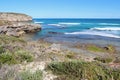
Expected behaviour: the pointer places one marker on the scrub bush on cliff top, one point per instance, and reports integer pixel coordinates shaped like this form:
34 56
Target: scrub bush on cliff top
80 70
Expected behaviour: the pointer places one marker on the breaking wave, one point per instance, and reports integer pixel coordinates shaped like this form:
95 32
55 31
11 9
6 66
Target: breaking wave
39 22
113 24
55 25
64 23
107 29
94 33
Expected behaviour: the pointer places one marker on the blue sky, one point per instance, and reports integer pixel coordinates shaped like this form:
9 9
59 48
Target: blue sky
63 8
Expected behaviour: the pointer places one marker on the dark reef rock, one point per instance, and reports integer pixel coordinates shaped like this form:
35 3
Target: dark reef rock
16 24
51 32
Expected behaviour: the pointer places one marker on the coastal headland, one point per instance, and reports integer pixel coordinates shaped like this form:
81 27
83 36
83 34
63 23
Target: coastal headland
16 24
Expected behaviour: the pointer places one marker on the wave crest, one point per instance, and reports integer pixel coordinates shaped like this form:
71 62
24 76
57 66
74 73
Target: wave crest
107 29
39 22
63 23
94 33
54 25
113 24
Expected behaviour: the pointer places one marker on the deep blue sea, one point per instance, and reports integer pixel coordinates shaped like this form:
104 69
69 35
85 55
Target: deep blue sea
103 31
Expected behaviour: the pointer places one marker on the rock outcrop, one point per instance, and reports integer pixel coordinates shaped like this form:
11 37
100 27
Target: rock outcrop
15 24
15 17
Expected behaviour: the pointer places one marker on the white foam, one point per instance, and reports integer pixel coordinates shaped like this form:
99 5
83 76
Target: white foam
94 33
55 25
39 22
107 29
63 23
108 24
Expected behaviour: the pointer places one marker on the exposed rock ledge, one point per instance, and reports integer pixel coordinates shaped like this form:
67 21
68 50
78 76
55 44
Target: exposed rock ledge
16 24
15 17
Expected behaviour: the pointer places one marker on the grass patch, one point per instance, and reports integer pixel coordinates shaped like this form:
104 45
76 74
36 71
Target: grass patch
95 48
110 49
27 75
79 70
12 74
9 39
24 56
15 58
7 58
2 49
70 55
104 60
10 53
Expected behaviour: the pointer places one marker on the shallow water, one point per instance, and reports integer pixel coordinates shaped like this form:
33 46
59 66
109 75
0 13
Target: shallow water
74 31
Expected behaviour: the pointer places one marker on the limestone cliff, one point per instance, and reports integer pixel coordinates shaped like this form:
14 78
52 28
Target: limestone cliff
17 24
15 17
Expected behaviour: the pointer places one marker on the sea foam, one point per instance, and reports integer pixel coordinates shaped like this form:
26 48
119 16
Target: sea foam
39 22
94 33
113 24
107 29
64 23
55 25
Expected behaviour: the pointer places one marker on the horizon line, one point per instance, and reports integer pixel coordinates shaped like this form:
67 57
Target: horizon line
74 18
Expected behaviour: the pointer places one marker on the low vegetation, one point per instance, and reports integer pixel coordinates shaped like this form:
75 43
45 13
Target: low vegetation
11 53
7 58
95 48
104 59
70 55
80 70
12 74
4 39
108 48
65 64
15 58
27 75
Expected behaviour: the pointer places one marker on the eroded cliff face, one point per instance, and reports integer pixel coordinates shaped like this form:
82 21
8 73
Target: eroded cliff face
15 17
17 24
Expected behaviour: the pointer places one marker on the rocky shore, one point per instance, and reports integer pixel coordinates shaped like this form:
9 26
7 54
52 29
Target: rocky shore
16 24
21 59
40 60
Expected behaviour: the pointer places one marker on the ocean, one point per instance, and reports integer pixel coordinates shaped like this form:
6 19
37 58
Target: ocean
98 31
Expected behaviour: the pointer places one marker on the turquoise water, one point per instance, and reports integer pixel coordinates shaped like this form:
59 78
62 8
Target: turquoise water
75 30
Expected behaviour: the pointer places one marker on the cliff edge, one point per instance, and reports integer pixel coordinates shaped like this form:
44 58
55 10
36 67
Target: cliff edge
14 17
17 24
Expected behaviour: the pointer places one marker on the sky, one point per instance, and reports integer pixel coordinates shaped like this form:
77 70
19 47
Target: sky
63 8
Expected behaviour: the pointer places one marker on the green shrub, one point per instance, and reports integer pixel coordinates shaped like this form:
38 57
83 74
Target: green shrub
23 55
104 60
27 75
1 49
78 70
95 48
10 39
70 55
12 74
7 58
14 58
110 48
